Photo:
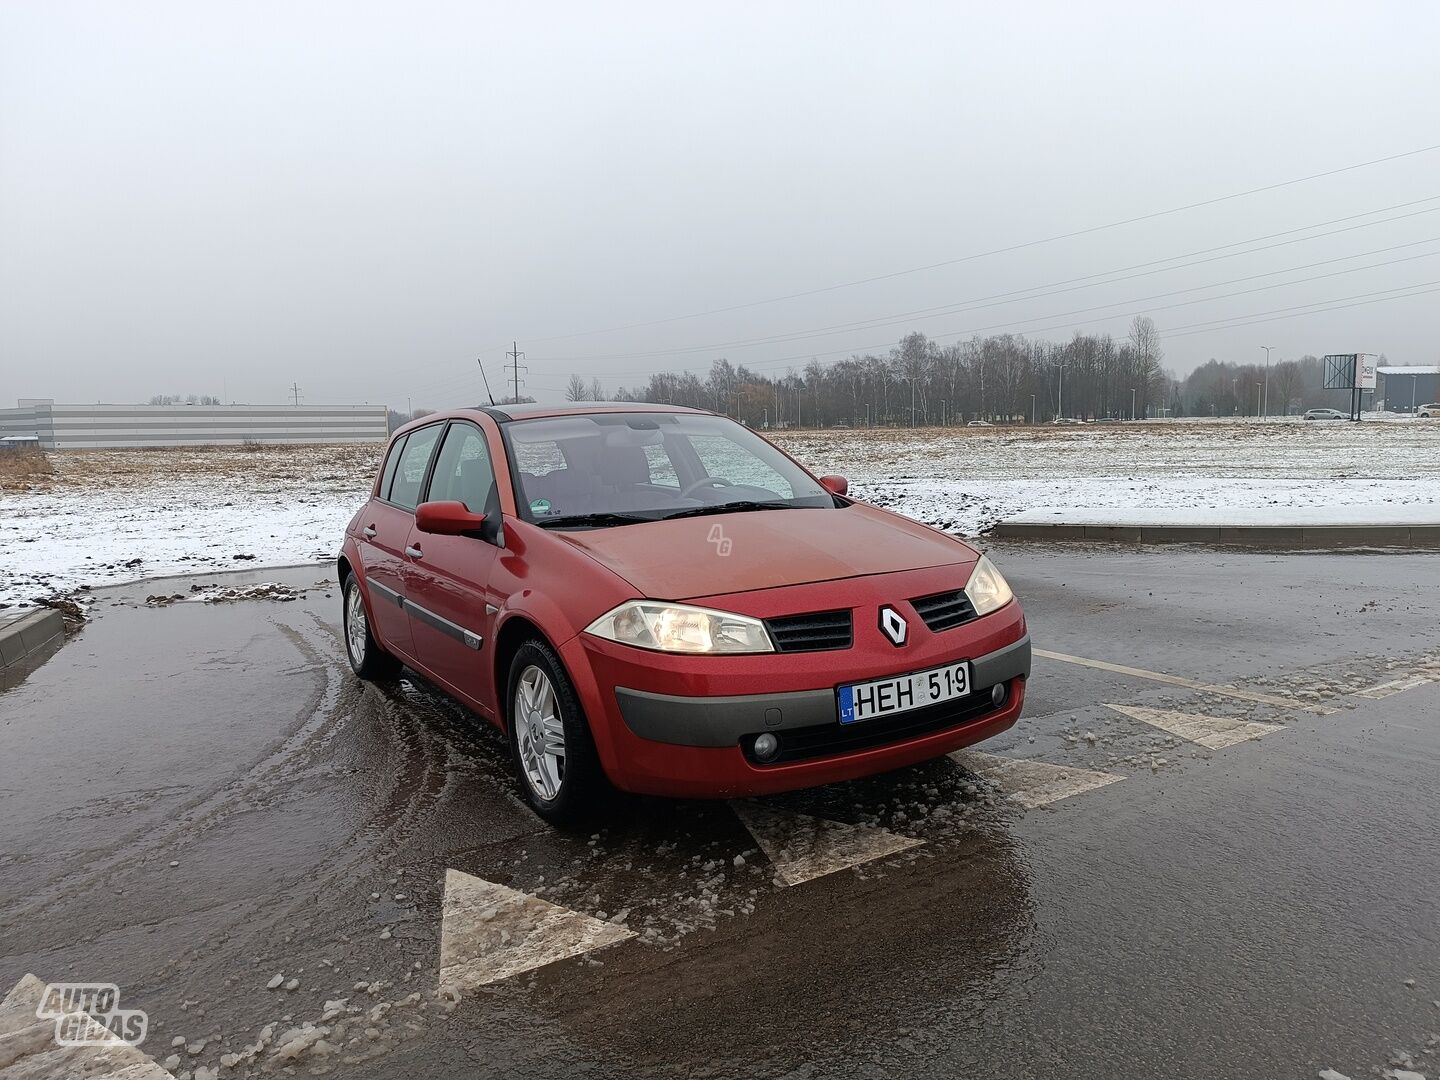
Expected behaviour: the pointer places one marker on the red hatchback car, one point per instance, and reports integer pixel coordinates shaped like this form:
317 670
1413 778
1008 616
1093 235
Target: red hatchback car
660 599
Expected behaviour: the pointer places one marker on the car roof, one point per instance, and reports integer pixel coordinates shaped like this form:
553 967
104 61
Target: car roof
532 409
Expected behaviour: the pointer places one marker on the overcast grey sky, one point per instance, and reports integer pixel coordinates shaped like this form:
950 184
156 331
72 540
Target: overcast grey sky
363 198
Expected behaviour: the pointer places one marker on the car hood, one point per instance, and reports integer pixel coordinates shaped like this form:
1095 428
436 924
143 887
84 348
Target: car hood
762 549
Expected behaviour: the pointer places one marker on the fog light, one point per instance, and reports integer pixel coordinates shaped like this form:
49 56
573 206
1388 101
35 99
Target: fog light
997 695
766 746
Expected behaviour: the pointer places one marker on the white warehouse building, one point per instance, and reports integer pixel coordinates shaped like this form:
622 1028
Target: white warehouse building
61 427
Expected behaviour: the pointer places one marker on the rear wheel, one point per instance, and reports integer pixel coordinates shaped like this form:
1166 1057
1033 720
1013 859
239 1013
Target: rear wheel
550 740
367 658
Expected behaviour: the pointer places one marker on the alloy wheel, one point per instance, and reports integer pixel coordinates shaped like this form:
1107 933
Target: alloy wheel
539 733
355 626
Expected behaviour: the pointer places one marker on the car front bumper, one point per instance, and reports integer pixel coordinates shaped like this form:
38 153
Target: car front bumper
724 721
682 726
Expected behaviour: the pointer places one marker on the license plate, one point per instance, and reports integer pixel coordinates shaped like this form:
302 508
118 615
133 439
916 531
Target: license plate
902 693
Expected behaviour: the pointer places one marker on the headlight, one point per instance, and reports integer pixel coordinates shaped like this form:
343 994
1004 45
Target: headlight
988 590
679 628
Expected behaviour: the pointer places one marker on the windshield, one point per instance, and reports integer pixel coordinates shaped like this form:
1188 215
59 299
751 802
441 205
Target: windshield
617 468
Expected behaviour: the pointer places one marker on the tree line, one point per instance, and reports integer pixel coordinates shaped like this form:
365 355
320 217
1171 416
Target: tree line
1004 378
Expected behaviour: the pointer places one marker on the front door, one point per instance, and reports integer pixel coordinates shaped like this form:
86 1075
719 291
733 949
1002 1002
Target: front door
448 601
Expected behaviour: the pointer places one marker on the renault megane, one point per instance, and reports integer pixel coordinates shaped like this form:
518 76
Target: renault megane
658 599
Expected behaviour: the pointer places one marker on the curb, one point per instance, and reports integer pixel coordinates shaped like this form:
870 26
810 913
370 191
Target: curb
1280 536
28 639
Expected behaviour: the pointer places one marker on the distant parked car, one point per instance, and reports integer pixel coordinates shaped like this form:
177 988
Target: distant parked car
979 423
1066 420
1325 414
1432 410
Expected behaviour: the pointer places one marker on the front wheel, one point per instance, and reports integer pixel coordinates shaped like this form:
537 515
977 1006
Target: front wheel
550 740
367 658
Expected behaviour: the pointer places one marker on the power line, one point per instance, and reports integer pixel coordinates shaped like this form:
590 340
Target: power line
1090 230
1120 304
1123 304
1017 295
1423 288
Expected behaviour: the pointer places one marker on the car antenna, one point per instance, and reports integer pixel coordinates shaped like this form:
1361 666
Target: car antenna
487 381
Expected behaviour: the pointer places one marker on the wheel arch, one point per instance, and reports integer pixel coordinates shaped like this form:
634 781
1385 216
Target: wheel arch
512 633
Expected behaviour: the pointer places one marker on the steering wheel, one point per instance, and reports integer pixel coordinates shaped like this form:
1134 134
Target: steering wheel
705 481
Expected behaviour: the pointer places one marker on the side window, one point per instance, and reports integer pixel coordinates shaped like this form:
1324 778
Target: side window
463 472
390 463
410 472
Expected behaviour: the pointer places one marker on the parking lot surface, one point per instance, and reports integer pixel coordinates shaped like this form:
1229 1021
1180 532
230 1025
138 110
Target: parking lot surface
1208 849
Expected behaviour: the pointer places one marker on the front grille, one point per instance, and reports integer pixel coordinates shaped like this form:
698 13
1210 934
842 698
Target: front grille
944 611
811 633
823 740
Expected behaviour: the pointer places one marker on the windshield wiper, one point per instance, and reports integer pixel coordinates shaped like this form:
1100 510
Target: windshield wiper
728 508
590 520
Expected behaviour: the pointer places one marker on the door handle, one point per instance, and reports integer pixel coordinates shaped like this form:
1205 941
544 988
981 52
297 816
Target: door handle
369 531
414 552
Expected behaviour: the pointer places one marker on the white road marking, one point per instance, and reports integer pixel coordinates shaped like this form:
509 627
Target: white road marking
28 1047
1033 783
1214 732
802 847
1176 680
1394 686
489 932
1427 671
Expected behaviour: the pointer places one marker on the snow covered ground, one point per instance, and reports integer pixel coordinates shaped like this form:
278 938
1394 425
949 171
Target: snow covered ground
116 515
1277 472
111 515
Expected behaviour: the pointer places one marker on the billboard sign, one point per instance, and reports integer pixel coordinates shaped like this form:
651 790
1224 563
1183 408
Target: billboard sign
1366 365
1340 371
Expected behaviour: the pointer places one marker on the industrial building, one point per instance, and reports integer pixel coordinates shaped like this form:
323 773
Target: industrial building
61 427
1401 389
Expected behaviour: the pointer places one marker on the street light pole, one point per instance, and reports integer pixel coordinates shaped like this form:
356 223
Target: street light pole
1032 410
1267 349
1132 403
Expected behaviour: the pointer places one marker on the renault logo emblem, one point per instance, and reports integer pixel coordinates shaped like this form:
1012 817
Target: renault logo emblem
893 625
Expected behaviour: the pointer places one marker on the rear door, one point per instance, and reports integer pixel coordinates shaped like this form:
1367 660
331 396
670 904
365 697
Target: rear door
449 602
385 533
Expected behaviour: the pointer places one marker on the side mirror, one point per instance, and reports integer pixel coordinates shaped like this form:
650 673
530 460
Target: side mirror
447 519
836 485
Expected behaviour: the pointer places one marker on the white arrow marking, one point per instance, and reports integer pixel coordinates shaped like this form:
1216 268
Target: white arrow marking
802 847
489 932
1032 783
28 1046
1214 732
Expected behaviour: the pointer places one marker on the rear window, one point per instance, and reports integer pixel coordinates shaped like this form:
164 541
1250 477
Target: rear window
390 462
414 459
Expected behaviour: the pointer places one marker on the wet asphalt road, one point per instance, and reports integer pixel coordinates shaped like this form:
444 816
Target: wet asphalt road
1254 910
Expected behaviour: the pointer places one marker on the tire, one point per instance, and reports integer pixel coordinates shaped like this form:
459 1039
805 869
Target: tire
540 704
367 658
